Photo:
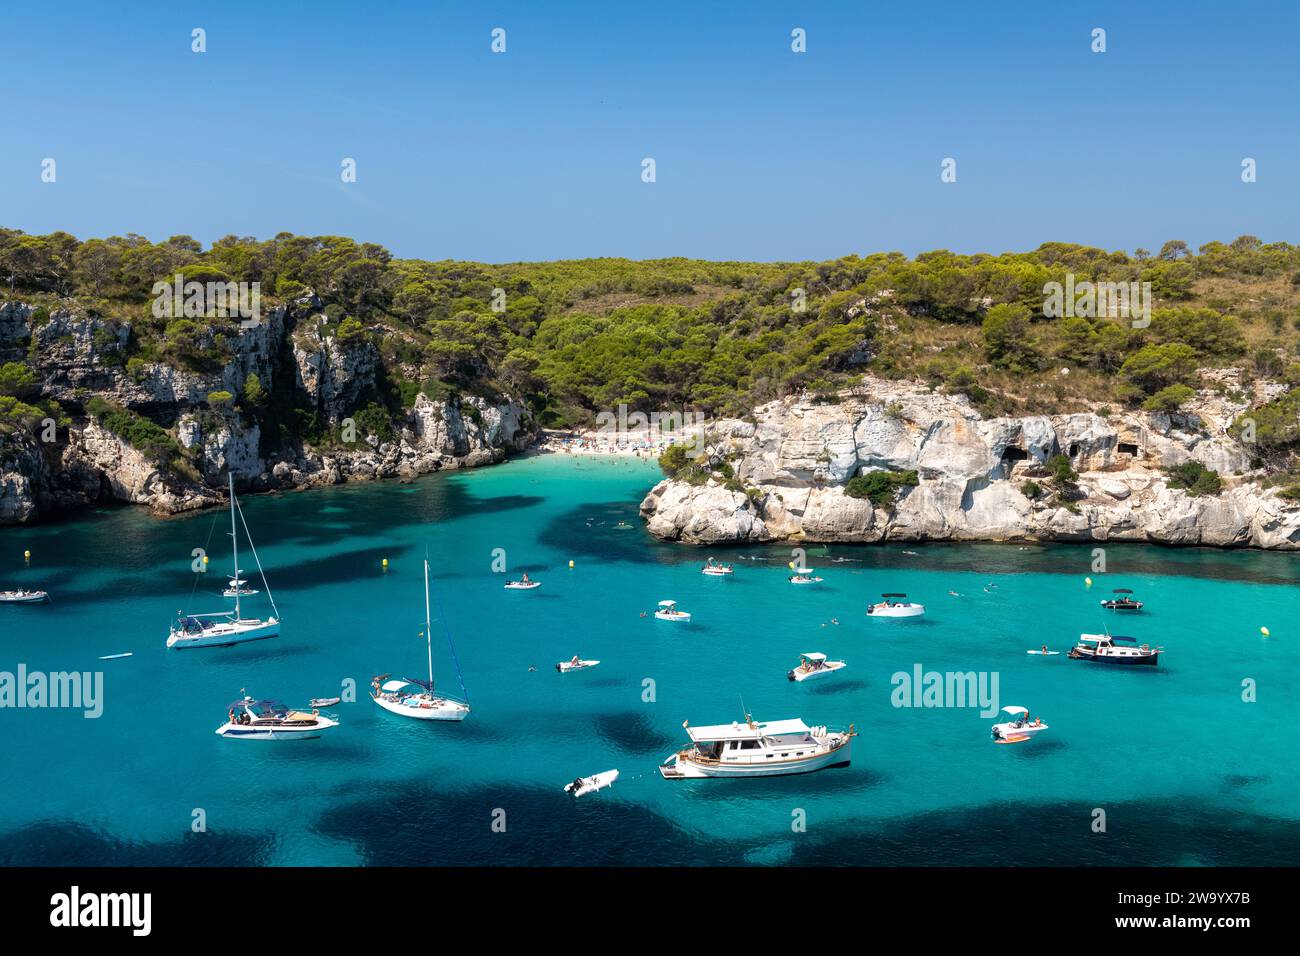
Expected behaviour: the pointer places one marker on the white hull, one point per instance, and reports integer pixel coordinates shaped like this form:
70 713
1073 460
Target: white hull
898 610
805 580
830 667
715 572
565 666
1008 731
593 783
680 616
34 598
225 634
233 731
424 708
517 586
681 765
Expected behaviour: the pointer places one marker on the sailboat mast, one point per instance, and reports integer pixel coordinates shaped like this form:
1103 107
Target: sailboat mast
428 624
234 544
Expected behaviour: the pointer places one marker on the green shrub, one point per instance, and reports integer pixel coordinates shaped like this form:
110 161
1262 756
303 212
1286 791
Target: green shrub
1031 490
137 431
1060 470
1195 479
1169 399
880 487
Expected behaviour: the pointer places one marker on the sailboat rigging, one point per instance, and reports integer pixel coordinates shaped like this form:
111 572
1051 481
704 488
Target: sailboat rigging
412 697
223 628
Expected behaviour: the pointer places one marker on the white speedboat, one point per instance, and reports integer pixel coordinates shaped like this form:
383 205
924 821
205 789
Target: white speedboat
804 577
717 570
752 749
22 596
412 697
523 584
585 785
238 587
668 612
250 719
576 664
223 628
894 605
814 665
1115 649
1017 727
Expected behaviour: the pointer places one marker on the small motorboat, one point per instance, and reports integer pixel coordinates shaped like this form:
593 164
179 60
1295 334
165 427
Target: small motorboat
805 577
717 570
1115 649
325 701
585 785
238 587
895 605
22 596
1019 727
1123 601
523 584
576 664
751 749
668 612
814 665
250 719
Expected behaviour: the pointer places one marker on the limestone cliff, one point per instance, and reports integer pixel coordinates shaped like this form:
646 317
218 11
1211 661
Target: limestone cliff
792 461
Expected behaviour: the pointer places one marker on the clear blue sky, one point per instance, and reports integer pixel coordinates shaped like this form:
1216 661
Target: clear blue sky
761 153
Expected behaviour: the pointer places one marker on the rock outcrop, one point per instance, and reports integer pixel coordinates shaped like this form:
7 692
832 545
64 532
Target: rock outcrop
80 356
978 479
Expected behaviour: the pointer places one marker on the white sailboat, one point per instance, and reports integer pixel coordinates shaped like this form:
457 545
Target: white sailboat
413 697
223 628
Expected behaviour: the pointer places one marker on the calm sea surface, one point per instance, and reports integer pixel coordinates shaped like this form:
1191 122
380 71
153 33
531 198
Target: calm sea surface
1184 769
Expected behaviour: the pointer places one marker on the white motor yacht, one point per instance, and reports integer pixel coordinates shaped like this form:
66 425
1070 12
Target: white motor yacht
751 749
22 596
250 719
1115 649
895 605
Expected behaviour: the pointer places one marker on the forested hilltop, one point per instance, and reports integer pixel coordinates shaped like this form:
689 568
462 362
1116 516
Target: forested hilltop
565 340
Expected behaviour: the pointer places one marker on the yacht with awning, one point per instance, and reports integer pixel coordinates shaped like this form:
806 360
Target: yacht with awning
752 749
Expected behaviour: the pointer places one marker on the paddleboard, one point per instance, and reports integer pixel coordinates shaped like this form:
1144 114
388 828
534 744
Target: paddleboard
1044 653
113 657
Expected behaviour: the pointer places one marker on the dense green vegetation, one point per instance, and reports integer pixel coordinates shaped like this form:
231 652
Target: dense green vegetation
576 337
137 431
881 487
1195 479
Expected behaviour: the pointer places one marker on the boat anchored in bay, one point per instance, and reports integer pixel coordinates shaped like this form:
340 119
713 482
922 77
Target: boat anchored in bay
814 665
1114 649
250 719
895 605
224 628
411 697
752 749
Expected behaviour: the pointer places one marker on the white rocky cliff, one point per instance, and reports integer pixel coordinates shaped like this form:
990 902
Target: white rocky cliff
792 462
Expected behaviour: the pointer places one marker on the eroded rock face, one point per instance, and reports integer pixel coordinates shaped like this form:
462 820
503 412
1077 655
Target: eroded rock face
797 456
80 356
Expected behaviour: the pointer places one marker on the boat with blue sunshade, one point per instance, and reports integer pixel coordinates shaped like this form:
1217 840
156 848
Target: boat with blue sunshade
1115 649
249 719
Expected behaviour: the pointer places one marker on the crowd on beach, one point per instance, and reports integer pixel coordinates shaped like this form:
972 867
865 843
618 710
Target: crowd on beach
603 443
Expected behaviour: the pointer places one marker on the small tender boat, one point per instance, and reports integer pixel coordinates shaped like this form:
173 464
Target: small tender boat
804 577
523 584
1115 649
752 749
1122 602
668 612
717 570
1018 727
814 665
250 719
22 596
576 664
585 785
325 701
892 606
238 587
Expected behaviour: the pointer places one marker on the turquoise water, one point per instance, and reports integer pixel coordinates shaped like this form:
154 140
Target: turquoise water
1185 771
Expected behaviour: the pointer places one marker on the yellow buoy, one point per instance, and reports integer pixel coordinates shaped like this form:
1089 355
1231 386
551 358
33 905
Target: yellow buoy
571 562
1087 582
27 555
205 559
1264 631
385 564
